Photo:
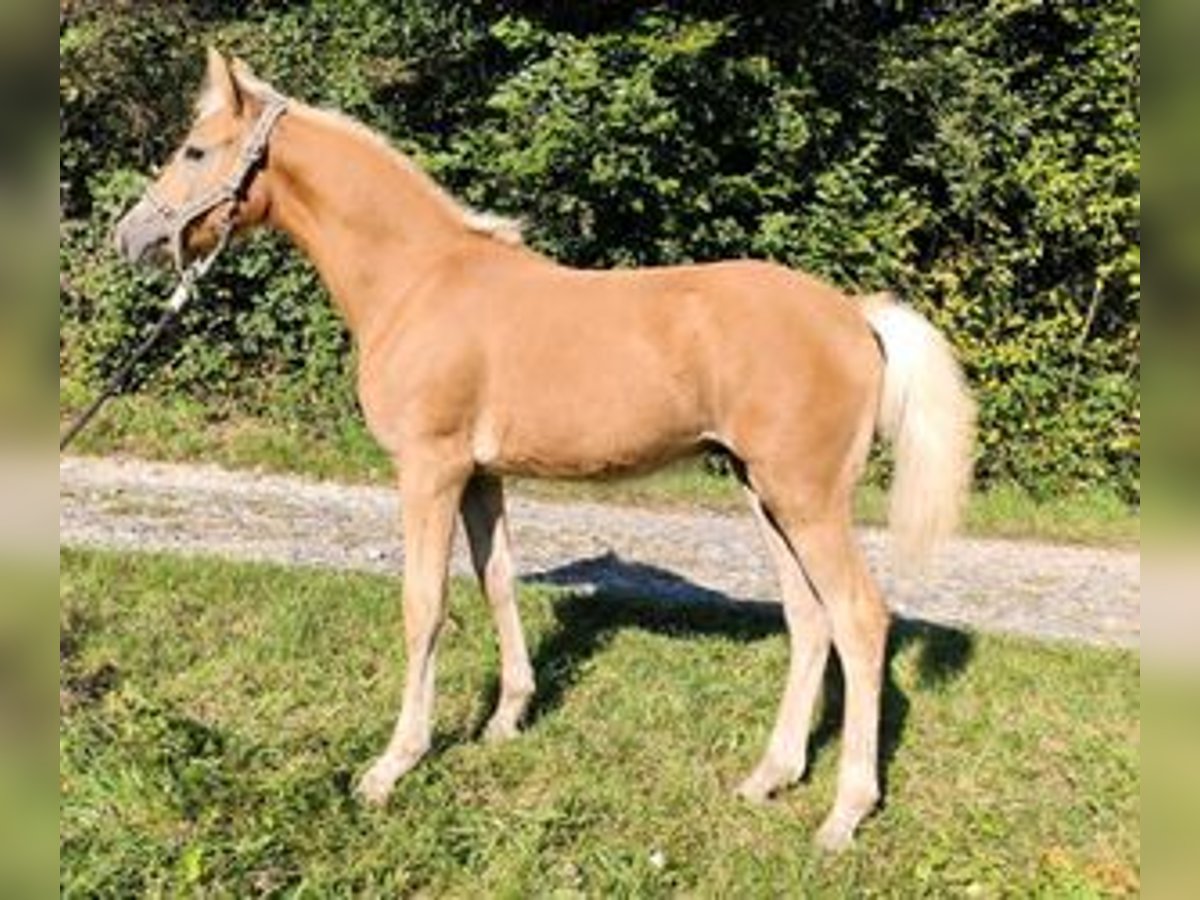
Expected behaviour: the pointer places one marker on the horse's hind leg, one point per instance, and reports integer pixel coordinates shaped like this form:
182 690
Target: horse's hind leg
859 619
808 627
487 532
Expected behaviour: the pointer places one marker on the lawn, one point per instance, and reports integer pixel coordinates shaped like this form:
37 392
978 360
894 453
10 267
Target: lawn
214 717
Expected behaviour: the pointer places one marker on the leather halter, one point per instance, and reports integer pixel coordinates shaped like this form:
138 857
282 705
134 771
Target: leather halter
231 189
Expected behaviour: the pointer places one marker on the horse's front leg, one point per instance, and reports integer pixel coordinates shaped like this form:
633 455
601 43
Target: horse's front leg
430 490
487 532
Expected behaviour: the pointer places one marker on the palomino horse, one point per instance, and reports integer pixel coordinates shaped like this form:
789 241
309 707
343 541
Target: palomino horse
479 358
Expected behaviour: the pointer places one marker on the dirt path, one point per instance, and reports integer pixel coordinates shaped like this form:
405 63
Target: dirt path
1050 591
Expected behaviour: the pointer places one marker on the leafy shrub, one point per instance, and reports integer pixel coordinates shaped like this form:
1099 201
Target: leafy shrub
985 164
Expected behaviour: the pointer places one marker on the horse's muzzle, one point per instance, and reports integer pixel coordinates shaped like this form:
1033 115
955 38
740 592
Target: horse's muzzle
141 233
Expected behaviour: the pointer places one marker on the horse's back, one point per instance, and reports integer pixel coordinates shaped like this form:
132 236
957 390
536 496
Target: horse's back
733 307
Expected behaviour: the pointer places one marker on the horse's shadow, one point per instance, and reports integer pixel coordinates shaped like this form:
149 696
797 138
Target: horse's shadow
606 594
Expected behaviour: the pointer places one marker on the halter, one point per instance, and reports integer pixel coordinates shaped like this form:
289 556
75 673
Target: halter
232 189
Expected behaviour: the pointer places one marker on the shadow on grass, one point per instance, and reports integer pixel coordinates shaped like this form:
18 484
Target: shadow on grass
608 594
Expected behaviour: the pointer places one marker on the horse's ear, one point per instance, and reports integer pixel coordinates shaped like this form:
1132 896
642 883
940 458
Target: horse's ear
219 82
241 69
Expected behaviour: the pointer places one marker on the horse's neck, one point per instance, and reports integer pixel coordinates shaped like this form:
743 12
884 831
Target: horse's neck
365 216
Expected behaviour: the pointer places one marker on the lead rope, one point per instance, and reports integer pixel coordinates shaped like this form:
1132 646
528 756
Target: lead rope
183 293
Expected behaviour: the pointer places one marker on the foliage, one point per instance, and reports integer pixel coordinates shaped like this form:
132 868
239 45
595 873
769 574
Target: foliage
983 163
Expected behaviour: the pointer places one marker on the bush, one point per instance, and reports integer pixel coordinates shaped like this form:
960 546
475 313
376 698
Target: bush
984 164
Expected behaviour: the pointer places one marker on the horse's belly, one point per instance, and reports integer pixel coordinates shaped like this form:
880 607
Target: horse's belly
558 434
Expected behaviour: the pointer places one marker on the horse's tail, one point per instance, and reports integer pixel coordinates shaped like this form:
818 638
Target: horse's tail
927 413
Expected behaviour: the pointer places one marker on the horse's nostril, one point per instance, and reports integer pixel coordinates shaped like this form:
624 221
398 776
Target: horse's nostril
120 233
131 245
123 243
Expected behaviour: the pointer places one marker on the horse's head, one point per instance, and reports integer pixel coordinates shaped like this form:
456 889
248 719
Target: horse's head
216 182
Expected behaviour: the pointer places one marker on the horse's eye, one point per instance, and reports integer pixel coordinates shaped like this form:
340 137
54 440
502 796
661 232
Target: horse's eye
193 153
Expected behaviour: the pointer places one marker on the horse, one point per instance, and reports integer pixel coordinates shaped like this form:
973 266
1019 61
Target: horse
479 358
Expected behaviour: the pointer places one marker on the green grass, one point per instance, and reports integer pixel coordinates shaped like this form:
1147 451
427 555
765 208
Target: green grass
216 716
182 430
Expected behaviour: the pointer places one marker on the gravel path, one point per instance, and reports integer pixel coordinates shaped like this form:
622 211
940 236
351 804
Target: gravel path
1049 591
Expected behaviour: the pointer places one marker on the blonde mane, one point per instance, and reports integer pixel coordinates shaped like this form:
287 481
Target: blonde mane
504 229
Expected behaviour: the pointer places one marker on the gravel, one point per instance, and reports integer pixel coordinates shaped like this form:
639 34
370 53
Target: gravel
1084 594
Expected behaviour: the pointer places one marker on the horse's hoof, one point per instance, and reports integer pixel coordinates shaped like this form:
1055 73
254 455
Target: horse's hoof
768 778
755 789
834 836
374 789
376 785
500 730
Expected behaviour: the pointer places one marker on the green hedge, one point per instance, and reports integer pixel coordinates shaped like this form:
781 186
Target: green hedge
981 160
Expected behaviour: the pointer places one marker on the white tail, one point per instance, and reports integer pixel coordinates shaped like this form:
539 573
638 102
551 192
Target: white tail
926 411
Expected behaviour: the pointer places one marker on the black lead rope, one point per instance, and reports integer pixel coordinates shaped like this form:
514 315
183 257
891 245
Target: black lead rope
178 300
117 382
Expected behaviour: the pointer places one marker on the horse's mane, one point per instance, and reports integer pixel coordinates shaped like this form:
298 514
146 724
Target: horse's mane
501 228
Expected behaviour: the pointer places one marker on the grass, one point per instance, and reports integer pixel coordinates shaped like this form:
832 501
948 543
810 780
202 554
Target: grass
215 716
182 430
